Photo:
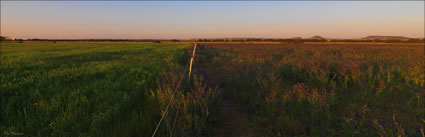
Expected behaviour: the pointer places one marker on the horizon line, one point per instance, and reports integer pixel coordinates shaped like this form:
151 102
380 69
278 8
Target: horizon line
214 38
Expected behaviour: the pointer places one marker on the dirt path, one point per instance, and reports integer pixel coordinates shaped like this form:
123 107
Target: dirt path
235 121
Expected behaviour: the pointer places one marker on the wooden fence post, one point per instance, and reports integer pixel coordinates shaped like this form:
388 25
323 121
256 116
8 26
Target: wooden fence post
191 59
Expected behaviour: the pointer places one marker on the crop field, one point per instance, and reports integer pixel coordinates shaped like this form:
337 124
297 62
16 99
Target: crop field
212 68
322 89
262 89
97 89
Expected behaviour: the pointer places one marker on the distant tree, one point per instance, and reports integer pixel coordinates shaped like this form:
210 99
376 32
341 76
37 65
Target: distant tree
2 38
416 40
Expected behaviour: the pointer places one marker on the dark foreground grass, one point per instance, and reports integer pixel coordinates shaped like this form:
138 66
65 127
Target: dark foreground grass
324 90
96 89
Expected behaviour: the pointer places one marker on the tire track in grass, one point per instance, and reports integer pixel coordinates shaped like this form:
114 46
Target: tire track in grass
233 120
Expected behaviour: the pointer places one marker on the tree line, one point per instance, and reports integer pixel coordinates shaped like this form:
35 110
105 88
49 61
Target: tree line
297 40
313 40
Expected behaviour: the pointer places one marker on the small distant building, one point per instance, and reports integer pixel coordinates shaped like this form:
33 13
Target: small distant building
13 38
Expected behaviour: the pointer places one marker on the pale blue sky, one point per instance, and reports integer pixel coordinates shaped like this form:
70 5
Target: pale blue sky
210 19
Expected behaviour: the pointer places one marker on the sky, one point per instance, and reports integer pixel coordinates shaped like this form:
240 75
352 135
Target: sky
210 19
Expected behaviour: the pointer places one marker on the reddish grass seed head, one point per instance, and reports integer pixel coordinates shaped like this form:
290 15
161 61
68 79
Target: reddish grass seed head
365 108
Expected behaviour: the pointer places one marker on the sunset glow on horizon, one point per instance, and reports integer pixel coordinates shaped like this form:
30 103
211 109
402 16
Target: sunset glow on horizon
211 19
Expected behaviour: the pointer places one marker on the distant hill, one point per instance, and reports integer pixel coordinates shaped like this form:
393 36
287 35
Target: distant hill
386 38
317 37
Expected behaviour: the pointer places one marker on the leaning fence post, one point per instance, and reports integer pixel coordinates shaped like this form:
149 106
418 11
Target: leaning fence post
191 59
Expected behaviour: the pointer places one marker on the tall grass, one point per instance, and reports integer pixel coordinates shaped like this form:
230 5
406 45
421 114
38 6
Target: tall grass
91 89
325 90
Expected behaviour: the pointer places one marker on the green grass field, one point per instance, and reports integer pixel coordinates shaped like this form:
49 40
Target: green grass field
88 89
121 89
